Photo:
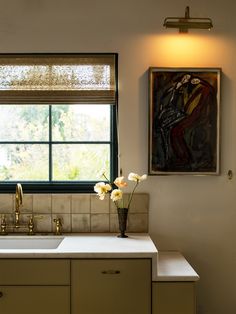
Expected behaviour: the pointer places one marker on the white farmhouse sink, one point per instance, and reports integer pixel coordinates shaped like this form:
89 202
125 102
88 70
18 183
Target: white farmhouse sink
29 243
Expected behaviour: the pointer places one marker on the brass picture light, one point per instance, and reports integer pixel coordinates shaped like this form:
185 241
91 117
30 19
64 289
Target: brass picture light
187 22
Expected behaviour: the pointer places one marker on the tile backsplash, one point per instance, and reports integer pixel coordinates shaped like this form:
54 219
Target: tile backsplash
79 212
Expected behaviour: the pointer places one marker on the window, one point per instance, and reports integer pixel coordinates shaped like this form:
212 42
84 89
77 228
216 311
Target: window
57 121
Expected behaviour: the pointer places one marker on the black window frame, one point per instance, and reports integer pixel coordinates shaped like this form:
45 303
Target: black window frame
75 186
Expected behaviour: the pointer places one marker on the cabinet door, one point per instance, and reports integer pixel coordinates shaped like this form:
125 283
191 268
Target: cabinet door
34 300
173 298
35 272
111 286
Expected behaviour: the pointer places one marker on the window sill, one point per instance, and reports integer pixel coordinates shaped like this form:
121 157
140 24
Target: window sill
57 187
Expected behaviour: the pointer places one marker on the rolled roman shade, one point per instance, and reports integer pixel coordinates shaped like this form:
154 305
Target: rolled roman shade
58 79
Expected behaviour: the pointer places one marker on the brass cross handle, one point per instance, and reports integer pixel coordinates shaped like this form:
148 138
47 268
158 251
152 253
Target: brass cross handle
58 223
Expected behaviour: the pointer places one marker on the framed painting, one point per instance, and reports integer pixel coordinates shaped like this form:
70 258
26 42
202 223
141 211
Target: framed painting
184 120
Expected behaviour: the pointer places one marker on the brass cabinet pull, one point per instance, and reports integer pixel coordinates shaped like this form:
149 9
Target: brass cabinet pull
1 294
110 272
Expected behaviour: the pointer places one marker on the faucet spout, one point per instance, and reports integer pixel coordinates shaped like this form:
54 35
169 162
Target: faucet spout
18 203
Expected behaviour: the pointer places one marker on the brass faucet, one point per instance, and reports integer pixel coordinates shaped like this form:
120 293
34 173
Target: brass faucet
17 224
18 203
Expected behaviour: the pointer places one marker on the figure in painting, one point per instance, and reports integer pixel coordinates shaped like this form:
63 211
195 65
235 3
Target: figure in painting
184 127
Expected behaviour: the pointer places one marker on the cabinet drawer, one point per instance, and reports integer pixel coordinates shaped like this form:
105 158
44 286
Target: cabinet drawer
111 286
36 300
34 272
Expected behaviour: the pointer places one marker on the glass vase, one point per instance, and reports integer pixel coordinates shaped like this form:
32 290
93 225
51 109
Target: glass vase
122 219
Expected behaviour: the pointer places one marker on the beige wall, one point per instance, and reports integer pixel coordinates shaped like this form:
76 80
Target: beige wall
196 215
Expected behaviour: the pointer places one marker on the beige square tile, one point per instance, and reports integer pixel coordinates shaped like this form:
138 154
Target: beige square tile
43 223
137 223
140 203
113 208
9 221
27 204
99 206
81 203
6 203
42 203
114 225
24 220
61 203
123 203
66 222
80 222
100 223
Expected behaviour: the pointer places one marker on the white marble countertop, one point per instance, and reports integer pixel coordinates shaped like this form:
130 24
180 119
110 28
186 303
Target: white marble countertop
172 266
91 246
166 266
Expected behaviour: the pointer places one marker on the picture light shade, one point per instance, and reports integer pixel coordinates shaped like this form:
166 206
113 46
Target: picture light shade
185 23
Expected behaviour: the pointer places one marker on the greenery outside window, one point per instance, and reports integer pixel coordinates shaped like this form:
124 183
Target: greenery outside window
57 121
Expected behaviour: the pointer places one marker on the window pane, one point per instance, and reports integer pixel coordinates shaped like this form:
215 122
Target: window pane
80 123
80 162
24 162
23 123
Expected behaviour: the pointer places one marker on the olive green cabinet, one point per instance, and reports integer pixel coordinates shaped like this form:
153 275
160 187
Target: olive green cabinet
34 286
34 300
89 286
173 297
80 286
106 286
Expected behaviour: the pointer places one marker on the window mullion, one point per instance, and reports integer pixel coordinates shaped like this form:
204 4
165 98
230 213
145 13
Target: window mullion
113 143
50 143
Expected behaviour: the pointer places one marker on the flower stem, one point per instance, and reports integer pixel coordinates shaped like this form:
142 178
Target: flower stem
131 195
106 177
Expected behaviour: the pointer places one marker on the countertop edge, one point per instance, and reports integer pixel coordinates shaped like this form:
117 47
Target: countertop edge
172 266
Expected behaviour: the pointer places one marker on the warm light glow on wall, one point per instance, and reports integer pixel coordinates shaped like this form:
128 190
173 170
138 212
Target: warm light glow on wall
186 49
